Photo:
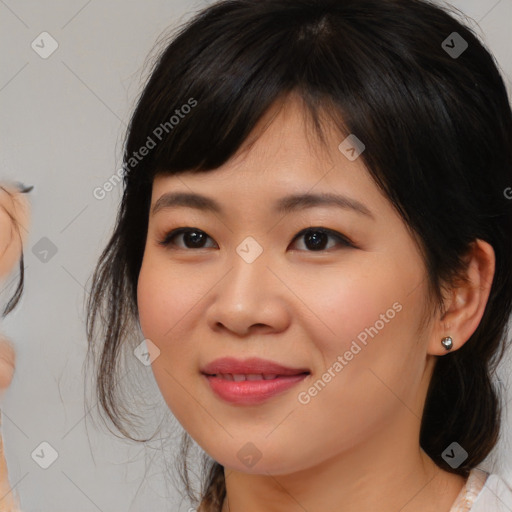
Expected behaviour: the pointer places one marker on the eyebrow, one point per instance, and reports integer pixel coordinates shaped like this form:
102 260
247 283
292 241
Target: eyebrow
285 204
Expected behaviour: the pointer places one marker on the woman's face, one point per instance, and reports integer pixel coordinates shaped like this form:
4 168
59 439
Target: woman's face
241 284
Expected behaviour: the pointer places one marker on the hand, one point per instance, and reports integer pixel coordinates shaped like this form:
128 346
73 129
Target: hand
8 502
14 218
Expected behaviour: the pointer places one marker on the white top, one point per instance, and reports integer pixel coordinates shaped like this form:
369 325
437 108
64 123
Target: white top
483 492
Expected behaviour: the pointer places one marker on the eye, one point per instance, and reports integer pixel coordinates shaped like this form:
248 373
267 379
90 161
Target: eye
194 237
315 238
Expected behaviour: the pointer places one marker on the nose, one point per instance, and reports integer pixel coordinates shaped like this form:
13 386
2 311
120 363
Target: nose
249 298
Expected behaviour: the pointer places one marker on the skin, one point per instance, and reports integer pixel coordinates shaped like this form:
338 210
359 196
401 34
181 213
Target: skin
14 210
356 443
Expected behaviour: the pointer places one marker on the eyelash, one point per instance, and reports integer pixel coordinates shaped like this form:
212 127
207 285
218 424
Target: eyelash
343 240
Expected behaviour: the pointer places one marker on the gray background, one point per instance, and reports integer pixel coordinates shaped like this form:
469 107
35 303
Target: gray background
63 119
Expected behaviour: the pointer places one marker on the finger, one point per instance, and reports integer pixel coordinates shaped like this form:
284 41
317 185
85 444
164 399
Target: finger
7 363
8 501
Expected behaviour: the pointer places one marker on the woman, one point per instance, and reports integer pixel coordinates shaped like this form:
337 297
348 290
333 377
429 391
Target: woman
14 221
315 243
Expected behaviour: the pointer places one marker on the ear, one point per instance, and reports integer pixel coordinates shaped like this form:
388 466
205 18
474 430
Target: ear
14 219
465 303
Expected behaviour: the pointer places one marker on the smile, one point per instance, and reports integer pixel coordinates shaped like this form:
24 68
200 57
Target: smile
251 389
241 377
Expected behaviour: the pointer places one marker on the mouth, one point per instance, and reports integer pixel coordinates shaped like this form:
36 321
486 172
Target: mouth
250 382
250 376
253 368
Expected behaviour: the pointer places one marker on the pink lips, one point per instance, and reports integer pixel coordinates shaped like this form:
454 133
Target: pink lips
250 381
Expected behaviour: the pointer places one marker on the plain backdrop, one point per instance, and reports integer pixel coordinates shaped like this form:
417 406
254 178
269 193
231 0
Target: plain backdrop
63 118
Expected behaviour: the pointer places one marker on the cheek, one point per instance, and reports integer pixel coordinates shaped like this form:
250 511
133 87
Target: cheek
164 297
356 305
155 303
364 330
167 306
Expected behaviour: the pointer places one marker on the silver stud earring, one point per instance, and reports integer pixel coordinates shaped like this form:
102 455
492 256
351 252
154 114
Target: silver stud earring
447 342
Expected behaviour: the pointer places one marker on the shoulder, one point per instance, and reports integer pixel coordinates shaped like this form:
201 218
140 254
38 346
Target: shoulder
495 496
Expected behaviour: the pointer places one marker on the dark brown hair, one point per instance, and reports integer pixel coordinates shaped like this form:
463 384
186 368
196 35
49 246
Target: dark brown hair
438 134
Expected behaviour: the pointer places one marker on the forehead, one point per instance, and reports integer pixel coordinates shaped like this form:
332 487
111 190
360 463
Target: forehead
283 155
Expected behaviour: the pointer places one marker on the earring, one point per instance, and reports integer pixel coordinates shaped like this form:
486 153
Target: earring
447 342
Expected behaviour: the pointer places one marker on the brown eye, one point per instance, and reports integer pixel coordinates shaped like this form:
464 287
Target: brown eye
192 238
316 239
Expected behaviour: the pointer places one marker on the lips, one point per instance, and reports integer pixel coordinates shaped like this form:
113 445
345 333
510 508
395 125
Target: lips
249 369
242 377
252 381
